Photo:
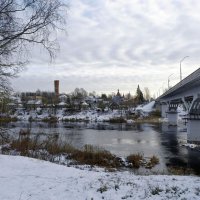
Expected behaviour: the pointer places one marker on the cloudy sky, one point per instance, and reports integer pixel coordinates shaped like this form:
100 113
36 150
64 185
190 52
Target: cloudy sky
113 44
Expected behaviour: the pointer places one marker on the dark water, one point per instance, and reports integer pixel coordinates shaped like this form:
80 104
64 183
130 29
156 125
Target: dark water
149 139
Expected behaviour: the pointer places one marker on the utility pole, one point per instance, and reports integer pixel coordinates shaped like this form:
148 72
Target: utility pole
180 67
169 80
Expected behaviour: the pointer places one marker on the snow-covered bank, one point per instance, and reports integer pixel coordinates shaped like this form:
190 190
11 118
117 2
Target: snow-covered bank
25 178
149 107
92 115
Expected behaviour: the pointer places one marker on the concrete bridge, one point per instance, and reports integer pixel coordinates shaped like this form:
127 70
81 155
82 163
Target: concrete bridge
187 93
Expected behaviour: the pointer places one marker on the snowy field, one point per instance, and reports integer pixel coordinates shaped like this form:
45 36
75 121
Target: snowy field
30 179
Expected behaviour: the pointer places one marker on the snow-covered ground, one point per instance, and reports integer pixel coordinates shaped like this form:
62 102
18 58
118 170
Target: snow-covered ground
89 115
95 116
149 107
24 178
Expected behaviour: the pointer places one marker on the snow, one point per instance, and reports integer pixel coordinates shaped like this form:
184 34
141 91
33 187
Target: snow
130 121
62 104
190 145
95 116
89 115
146 108
92 115
84 104
24 178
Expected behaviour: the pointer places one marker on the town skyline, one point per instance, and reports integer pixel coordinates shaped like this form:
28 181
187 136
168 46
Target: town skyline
118 44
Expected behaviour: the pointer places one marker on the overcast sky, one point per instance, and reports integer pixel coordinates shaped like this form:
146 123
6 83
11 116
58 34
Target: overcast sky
113 44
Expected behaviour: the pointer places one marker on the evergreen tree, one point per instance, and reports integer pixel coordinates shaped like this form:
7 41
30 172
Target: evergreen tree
139 96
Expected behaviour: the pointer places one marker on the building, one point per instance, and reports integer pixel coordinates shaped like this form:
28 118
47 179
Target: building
56 87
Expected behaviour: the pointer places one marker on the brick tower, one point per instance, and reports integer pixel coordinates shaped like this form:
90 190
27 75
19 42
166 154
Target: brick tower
56 87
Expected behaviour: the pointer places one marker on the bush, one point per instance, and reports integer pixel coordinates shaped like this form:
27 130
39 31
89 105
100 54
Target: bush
8 119
156 191
135 160
155 113
51 147
152 162
95 156
174 170
51 119
117 120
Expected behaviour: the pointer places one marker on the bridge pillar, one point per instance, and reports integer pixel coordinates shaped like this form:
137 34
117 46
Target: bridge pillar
172 113
193 131
164 109
193 125
172 117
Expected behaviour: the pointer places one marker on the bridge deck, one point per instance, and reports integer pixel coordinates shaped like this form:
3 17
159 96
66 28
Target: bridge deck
182 84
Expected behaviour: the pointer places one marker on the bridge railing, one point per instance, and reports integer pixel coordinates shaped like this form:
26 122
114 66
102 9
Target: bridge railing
180 84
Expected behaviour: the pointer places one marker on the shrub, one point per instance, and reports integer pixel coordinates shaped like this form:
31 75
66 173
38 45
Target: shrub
152 162
135 160
155 113
156 191
51 148
8 119
95 156
175 170
102 189
50 119
117 120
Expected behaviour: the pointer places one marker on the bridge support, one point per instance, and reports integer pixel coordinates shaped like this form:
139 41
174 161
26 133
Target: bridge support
193 125
164 109
172 113
193 131
172 117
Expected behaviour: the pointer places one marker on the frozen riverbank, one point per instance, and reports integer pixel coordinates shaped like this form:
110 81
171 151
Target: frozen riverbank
24 178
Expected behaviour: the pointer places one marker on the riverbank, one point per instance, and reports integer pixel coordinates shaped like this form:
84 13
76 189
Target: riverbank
25 178
84 116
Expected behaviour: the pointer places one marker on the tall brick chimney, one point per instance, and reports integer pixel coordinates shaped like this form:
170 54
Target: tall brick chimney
56 87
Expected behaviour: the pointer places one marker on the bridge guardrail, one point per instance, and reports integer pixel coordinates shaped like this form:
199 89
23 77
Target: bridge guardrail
189 78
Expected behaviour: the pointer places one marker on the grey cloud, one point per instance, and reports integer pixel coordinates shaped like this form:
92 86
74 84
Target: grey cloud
107 42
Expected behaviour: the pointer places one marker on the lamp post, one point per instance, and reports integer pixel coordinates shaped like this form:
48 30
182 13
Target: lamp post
180 67
169 80
162 87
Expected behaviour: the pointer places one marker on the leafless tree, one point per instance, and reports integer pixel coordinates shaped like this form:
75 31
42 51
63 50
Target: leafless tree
147 94
22 24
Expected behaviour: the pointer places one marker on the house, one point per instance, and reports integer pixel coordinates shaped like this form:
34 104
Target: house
62 105
116 101
63 98
33 104
84 105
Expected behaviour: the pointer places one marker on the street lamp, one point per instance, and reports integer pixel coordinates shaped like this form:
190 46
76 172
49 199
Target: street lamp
162 91
169 80
180 67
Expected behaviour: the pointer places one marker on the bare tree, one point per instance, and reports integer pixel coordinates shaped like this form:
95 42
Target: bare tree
25 22
147 94
79 93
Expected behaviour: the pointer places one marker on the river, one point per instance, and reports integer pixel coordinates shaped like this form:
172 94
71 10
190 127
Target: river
122 140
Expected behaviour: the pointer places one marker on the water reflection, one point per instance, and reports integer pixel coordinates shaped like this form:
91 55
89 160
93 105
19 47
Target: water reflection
121 139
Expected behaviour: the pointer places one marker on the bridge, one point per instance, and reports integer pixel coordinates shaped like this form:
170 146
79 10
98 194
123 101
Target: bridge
187 93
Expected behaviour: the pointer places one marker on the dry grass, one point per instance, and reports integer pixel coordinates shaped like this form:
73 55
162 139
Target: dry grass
7 119
117 120
95 156
26 144
52 147
51 119
135 160
180 170
152 162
